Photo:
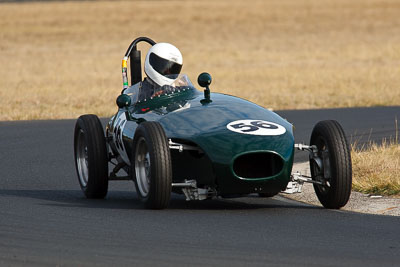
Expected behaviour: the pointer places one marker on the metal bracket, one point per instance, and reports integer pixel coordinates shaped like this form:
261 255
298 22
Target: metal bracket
297 181
303 147
186 183
313 153
117 167
181 147
192 192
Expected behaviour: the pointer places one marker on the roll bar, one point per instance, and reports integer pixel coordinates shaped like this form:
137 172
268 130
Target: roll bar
135 62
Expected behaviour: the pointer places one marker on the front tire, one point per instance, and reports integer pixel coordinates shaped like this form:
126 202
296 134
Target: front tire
336 171
151 163
91 160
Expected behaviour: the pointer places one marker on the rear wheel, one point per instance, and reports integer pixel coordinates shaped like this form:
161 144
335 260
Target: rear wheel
332 166
91 160
151 165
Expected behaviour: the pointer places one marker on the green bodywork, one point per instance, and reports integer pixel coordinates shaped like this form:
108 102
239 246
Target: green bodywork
187 119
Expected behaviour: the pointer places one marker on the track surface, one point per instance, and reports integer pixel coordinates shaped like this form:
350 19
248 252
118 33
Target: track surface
45 220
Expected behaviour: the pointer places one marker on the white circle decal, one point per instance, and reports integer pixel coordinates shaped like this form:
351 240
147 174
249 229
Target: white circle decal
256 127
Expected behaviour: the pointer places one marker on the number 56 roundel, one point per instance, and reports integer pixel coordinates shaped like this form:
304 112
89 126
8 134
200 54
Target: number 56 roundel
256 127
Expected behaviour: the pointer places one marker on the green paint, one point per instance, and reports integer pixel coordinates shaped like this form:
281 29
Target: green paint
184 117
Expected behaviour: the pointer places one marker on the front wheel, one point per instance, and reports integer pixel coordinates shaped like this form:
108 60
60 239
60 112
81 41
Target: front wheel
332 164
151 163
91 160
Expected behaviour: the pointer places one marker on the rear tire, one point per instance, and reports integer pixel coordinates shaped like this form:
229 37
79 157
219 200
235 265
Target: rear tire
91 160
334 151
151 165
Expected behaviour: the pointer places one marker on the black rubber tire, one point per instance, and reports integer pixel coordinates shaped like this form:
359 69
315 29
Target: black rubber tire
330 135
97 160
160 170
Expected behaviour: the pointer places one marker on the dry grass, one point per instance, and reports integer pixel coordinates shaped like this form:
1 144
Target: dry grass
376 170
62 59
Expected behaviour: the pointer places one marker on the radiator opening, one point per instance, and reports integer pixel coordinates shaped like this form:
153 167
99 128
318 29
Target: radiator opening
257 165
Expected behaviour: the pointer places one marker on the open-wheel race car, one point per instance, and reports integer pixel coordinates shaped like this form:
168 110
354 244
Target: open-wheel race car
203 145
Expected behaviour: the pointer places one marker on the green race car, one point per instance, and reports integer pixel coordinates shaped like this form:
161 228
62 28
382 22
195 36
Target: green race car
203 145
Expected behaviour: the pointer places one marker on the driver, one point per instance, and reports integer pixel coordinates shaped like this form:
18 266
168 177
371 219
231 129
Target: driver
162 66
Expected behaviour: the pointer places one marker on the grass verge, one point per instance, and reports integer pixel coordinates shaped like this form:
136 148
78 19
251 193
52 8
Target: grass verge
62 59
376 169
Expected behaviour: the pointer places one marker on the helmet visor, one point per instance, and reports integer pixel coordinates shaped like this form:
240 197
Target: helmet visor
164 66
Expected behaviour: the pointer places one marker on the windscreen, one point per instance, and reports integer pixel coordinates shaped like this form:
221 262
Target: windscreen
181 83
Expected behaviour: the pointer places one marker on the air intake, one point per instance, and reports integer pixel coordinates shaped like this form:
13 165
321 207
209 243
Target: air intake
257 165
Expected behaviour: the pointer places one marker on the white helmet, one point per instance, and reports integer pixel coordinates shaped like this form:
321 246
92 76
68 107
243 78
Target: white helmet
163 63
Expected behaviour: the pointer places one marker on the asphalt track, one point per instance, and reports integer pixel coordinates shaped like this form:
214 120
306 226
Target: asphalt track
45 220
